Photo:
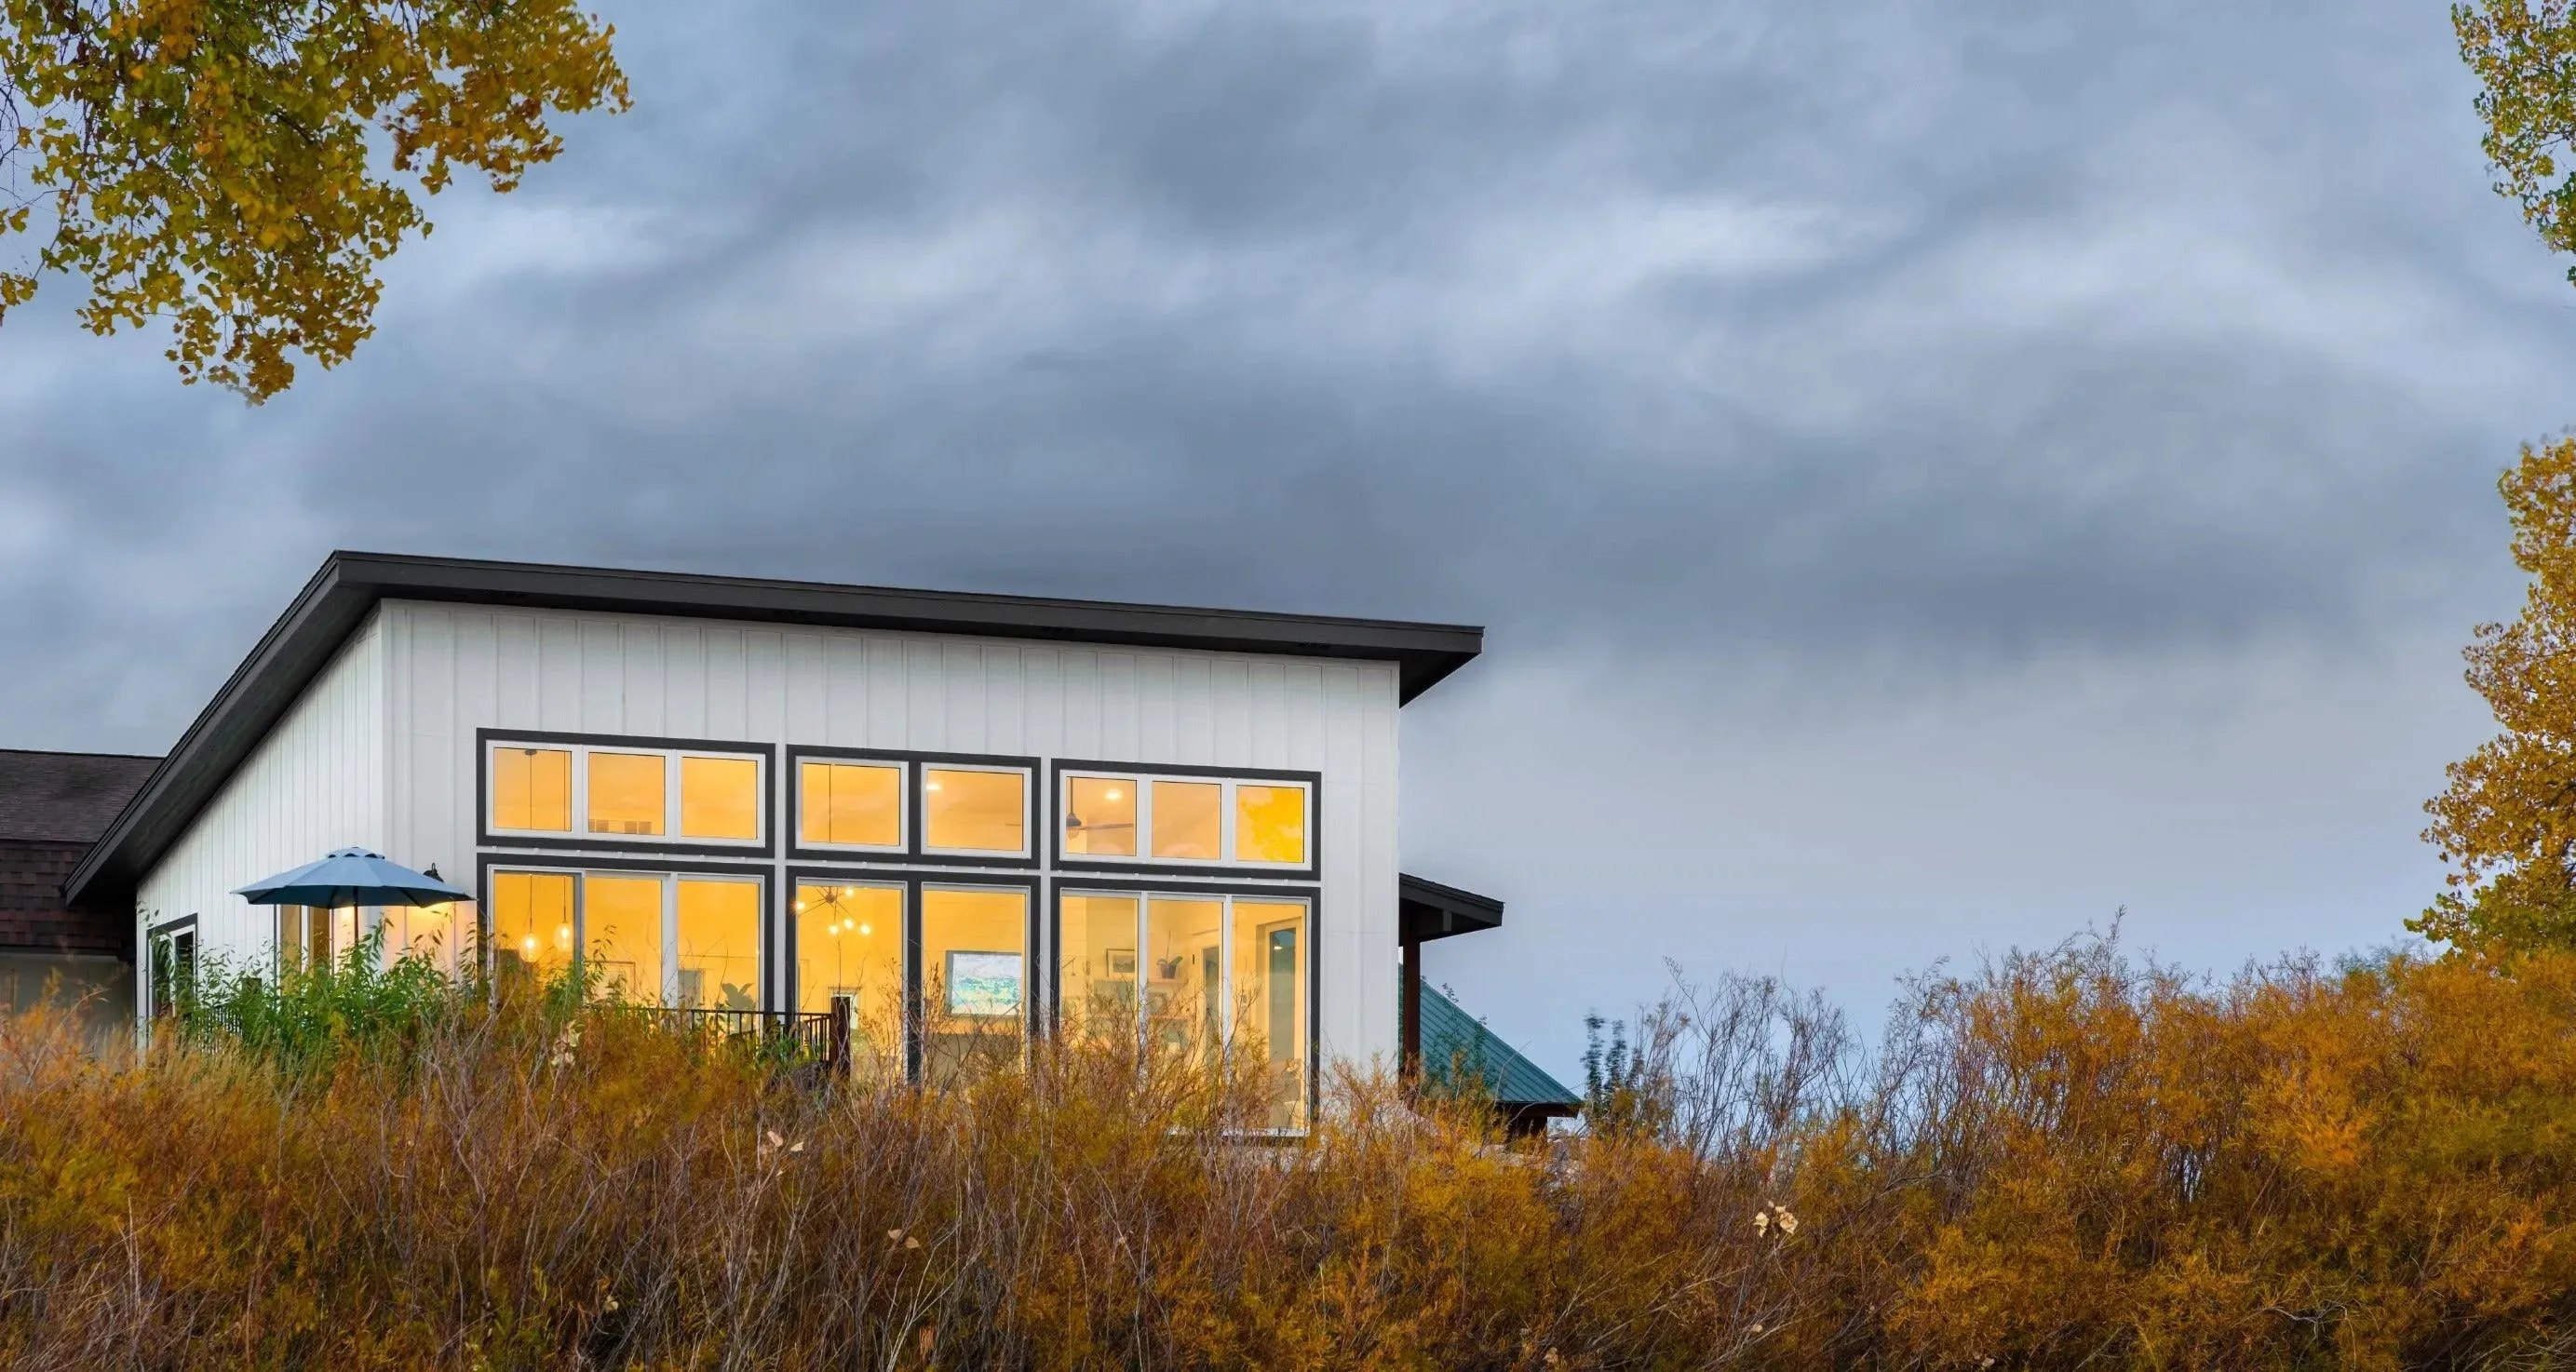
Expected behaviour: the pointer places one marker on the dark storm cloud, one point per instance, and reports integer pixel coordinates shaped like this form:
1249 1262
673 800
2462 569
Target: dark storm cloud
1772 343
1916 321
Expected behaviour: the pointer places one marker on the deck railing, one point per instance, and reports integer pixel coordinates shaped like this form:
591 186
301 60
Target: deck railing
806 1036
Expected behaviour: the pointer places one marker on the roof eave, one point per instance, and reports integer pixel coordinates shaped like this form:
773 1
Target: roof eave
234 711
1428 910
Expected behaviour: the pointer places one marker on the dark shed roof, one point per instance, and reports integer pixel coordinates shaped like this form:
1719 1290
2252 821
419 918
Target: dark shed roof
1456 1044
1426 910
349 586
65 797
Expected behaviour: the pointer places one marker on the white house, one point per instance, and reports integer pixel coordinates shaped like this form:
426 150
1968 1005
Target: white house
756 795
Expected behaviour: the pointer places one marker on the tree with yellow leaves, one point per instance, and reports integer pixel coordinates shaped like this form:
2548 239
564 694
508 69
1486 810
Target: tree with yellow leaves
240 167
2524 55
2507 824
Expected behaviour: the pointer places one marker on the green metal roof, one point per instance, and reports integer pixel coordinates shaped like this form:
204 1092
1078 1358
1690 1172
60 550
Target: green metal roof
1453 1040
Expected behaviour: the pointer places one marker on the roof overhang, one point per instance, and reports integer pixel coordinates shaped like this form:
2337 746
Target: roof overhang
350 586
1427 910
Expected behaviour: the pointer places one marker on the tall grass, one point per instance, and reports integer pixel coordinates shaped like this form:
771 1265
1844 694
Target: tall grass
2060 1159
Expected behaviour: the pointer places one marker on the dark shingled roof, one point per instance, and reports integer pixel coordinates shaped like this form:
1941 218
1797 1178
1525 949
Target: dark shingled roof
66 797
1455 1042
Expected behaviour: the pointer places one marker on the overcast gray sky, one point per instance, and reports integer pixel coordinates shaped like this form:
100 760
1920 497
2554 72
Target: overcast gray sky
1935 473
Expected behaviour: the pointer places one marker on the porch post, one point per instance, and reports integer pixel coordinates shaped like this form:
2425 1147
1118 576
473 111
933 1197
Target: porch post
1410 1012
838 1051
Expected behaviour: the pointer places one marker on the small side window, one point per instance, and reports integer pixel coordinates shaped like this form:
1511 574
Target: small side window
1269 823
974 811
850 804
627 793
1100 816
1189 819
720 797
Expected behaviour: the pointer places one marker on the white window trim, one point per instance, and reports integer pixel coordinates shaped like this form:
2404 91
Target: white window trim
1141 782
1028 810
903 804
671 808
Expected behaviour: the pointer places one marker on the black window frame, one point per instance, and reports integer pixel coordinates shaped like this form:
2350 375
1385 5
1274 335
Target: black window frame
580 839
1313 896
1035 808
1146 773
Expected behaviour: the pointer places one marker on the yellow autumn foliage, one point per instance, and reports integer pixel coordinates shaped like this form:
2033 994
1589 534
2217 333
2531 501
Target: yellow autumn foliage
240 167
2507 822
2063 1159
2523 54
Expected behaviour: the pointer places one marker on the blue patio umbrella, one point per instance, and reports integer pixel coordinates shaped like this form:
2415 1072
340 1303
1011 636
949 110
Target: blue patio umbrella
352 876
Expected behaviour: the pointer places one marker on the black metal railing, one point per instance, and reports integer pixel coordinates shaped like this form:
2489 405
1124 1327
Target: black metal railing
804 1036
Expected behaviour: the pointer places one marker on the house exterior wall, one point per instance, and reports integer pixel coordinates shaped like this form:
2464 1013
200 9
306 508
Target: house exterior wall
450 670
316 783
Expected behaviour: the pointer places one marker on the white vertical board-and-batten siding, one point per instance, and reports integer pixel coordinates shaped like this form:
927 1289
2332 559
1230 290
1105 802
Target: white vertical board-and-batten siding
453 669
315 783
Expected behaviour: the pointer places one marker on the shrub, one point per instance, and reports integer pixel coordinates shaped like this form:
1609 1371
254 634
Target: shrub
2059 1159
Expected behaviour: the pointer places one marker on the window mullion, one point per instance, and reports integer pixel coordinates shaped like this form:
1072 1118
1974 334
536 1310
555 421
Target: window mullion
1225 981
668 992
1144 1020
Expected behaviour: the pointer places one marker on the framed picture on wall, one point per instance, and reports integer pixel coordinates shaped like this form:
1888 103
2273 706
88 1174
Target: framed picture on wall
983 985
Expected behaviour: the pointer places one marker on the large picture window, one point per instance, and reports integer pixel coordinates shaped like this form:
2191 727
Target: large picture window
1139 818
1204 976
849 942
974 978
689 941
554 791
937 969
1096 943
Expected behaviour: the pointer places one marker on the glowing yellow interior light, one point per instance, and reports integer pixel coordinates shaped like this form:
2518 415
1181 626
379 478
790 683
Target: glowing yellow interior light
863 929
528 943
847 892
800 907
930 786
1110 794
